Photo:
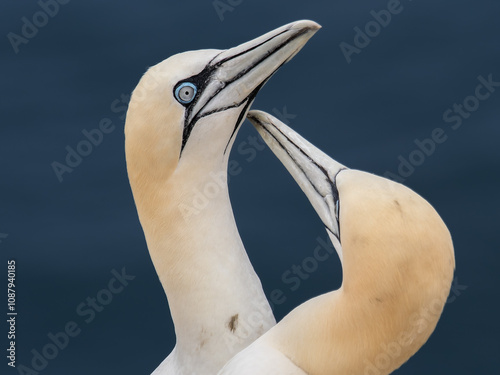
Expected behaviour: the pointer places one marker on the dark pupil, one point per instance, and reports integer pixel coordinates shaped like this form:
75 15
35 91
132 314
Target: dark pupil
186 92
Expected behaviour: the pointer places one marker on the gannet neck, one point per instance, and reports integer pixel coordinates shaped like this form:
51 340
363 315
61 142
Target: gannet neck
216 300
398 266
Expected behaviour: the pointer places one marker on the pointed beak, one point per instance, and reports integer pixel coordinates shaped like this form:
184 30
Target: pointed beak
312 169
234 76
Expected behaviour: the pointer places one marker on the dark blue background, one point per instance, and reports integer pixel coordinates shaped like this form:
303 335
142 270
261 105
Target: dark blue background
68 236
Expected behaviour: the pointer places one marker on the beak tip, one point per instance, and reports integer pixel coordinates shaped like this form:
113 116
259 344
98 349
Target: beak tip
306 24
256 117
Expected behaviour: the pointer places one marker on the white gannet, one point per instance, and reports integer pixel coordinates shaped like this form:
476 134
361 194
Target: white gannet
398 263
180 126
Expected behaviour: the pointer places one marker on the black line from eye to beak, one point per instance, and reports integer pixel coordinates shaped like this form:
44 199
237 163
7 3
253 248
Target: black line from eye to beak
202 79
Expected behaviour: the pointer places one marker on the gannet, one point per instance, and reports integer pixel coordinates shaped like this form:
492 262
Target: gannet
398 263
180 126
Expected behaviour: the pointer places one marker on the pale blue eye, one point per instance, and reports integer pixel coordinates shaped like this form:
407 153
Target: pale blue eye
185 92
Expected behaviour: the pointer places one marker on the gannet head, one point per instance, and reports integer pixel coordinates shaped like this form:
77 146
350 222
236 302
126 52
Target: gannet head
185 111
397 258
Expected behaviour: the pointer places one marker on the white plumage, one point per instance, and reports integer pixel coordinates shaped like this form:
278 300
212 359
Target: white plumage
396 253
